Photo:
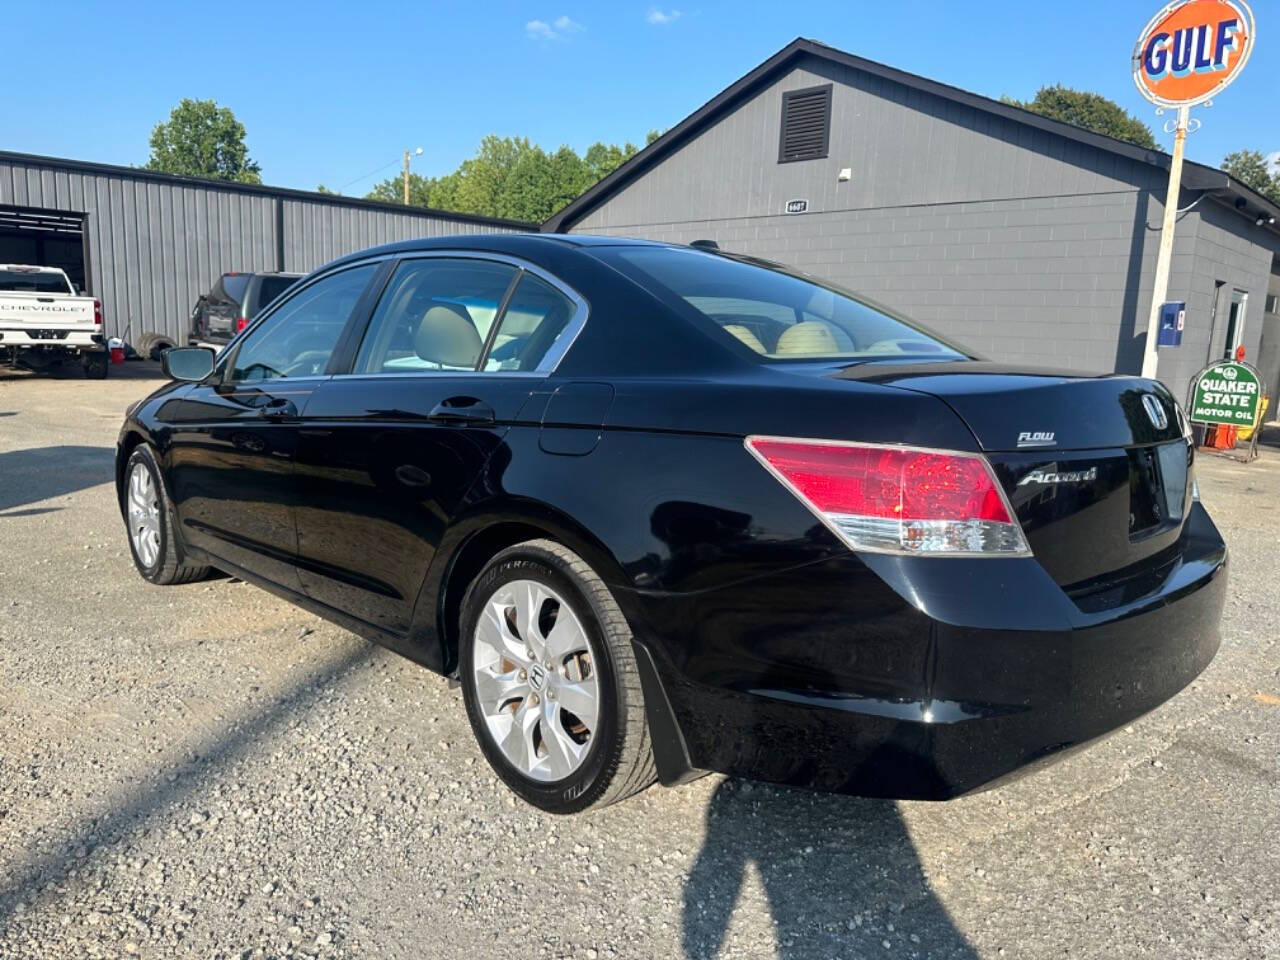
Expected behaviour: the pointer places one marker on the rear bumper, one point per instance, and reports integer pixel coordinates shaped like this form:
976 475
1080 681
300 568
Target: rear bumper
70 339
829 677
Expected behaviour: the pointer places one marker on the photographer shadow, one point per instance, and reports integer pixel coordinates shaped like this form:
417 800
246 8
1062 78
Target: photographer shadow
840 874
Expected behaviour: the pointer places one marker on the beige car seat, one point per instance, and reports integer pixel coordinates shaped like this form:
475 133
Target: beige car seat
446 336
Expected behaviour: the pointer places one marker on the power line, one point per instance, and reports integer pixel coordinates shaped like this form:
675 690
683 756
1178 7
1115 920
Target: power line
368 175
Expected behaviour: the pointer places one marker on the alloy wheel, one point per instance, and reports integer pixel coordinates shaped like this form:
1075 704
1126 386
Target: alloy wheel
535 680
144 515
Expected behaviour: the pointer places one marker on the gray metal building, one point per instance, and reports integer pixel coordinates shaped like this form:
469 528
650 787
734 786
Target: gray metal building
1028 239
147 244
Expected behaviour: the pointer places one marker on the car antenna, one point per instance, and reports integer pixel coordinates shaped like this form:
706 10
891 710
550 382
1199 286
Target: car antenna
705 245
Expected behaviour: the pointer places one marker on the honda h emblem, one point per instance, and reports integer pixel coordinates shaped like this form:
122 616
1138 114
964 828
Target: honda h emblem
1155 411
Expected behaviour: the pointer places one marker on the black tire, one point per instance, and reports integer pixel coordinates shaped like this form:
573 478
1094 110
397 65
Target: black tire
170 565
158 347
143 345
95 365
619 760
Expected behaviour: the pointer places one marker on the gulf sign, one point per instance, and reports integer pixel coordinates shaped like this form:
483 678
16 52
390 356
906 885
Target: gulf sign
1191 50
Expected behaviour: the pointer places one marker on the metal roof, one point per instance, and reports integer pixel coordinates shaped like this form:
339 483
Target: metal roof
1195 176
334 199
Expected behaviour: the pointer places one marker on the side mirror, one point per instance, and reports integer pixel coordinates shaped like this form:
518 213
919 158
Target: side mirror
187 363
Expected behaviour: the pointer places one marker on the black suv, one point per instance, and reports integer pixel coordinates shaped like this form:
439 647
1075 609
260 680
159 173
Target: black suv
234 300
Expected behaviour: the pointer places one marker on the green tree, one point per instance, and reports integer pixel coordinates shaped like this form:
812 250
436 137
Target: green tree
513 178
202 139
321 188
1089 110
1251 168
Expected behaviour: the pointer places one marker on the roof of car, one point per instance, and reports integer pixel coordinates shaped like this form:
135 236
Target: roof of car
512 244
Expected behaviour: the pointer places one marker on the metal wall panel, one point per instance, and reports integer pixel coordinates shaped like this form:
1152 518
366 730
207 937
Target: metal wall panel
154 245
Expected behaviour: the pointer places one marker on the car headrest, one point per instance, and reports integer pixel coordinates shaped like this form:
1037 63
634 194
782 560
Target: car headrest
447 336
810 338
745 336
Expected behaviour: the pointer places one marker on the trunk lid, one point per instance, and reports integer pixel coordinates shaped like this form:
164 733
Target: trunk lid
1013 408
1096 468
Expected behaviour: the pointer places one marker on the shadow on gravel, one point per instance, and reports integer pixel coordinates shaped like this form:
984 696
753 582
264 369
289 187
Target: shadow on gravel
134 370
33 512
28 476
837 871
129 809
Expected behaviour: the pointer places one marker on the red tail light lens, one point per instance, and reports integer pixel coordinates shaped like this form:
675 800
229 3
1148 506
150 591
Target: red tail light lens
241 323
97 312
897 499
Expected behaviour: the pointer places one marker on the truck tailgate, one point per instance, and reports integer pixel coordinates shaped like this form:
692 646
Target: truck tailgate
43 310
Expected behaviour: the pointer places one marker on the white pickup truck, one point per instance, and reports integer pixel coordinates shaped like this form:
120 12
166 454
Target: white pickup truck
43 322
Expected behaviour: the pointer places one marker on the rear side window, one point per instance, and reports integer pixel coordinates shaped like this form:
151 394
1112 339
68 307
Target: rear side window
777 315
531 327
434 316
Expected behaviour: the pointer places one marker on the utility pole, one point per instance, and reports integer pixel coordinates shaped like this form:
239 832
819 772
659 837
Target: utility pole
416 153
1160 290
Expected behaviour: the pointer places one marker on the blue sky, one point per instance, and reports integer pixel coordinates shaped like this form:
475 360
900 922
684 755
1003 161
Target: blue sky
330 92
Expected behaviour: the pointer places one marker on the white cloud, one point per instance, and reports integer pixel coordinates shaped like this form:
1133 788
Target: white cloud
1273 161
558 29
660 18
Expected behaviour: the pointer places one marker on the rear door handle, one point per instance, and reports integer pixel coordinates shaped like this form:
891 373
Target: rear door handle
278 408
462 410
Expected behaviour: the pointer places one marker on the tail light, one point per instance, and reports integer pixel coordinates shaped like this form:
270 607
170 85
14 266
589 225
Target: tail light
897 499
241 323
97 313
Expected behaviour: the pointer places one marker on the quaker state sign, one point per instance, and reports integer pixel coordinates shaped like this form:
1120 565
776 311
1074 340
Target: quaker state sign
1228 393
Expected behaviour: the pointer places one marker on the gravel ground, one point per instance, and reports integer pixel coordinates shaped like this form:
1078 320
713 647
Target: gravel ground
206 771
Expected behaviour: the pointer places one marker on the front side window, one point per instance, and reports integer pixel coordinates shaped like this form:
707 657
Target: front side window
434 316
776 314
299 337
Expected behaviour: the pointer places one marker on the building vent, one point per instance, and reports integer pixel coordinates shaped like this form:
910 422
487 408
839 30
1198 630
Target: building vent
806 124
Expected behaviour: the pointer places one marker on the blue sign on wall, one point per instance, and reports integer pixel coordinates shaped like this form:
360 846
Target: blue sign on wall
1173 317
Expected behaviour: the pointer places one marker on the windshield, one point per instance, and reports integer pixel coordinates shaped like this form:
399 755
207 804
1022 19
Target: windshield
779 315
24 281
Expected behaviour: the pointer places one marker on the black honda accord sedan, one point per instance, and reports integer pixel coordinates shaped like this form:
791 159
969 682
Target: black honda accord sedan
665 510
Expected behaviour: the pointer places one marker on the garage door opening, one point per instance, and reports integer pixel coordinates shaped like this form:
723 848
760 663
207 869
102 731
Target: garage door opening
45 238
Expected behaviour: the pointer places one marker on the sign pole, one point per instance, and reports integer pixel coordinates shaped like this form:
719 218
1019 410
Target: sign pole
1160 290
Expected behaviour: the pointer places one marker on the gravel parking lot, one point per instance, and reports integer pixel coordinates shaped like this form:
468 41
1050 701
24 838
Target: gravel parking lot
206 771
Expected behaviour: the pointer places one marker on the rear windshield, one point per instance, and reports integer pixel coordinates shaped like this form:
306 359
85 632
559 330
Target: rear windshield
20 281
233 286
272 287
776 314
